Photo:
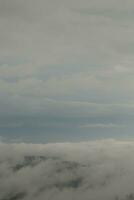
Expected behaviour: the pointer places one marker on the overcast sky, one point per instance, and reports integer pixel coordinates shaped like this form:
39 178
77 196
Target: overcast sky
66 70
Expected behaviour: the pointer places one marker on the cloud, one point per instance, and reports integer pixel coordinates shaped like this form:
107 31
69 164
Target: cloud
100 169
11 125
50 34
1 139
53 32
57 57
102 126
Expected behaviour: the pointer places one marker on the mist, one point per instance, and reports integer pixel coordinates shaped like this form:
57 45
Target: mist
91 170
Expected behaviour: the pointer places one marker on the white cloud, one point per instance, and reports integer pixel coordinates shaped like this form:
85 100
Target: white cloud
102 126
96 169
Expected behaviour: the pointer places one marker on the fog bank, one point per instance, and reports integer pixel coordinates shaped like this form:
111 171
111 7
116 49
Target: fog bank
94 170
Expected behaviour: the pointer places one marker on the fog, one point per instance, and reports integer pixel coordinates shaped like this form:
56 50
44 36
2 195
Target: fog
93 170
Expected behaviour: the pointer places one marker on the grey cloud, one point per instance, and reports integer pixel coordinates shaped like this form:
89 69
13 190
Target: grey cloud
14 9
86 170
53 33
72 61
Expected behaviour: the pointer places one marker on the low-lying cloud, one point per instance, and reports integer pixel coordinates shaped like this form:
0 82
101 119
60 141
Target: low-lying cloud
87 170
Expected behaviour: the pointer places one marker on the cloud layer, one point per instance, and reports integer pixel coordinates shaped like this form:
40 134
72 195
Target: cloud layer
86 170
65 64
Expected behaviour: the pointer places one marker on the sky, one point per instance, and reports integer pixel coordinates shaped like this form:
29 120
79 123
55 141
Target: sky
66 70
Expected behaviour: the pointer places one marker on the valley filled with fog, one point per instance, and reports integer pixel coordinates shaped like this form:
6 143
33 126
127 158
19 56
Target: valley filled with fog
91 170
